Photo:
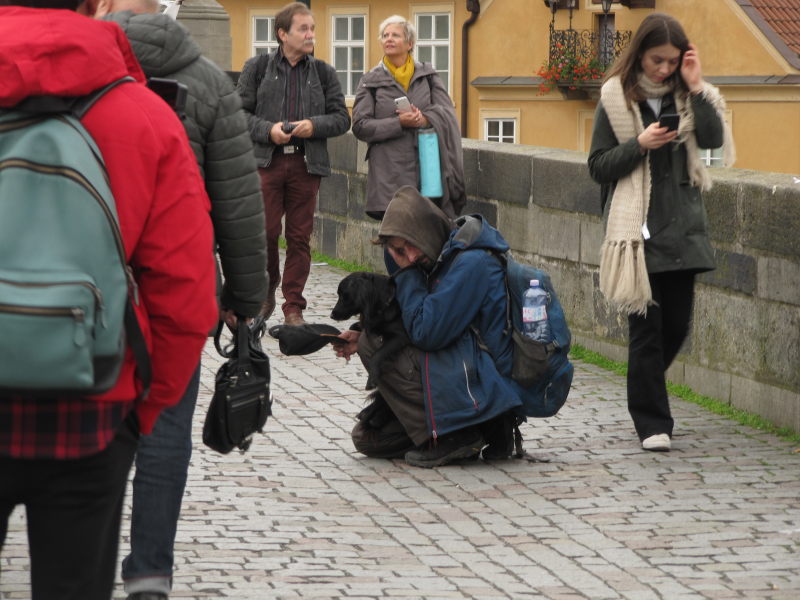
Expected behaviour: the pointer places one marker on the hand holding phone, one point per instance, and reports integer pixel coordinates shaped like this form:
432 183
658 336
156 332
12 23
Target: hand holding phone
670 121
402 104
288 127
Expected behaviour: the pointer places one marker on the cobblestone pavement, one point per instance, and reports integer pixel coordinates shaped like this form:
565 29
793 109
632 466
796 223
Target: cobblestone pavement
302 516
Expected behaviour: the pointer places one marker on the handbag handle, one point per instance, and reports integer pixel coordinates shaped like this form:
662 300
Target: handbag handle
240 341
242 347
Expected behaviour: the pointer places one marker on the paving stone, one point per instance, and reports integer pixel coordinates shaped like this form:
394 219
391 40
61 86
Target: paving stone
301 515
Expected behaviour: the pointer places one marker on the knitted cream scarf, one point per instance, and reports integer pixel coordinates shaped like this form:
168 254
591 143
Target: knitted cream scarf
623 272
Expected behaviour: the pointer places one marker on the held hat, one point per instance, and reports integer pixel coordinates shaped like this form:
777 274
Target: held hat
304 339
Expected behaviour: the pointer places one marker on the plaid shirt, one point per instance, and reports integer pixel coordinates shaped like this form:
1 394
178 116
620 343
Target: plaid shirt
59 428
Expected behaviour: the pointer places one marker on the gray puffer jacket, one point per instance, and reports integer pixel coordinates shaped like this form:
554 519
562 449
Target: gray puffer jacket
217 130
262 88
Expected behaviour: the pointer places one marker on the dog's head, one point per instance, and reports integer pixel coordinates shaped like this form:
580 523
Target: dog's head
364 294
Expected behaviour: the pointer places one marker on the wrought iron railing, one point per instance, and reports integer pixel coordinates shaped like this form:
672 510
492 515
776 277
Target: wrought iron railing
603 45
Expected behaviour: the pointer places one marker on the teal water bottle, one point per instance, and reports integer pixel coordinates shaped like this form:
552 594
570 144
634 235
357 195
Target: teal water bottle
430 170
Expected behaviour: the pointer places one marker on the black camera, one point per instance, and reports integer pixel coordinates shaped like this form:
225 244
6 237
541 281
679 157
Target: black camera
172 92
288 127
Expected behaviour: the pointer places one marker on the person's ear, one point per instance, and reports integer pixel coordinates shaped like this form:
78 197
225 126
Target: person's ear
103 8
282 34
87 8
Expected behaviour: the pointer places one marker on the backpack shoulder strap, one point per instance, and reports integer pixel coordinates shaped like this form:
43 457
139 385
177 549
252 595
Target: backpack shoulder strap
82 105
45 105
135 337
261 67
323 81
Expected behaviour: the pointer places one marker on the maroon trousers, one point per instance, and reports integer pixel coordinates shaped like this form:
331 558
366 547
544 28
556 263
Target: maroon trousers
289 191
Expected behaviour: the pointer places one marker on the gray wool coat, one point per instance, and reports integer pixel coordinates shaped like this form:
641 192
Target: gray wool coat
217 130
392 152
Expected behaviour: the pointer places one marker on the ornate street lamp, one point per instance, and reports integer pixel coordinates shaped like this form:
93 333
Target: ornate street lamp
606 42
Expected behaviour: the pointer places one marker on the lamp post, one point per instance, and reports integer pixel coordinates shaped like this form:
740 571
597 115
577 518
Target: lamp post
605 37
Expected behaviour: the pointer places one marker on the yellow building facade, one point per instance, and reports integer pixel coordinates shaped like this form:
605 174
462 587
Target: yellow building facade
489 53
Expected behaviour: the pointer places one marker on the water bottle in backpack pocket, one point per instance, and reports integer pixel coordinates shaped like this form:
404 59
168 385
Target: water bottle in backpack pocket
532 346
540 363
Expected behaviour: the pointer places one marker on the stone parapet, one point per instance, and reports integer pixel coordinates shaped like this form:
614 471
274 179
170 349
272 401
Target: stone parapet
744 348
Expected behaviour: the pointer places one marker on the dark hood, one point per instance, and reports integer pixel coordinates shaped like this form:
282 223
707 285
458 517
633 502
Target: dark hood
413 217
474 232
162 45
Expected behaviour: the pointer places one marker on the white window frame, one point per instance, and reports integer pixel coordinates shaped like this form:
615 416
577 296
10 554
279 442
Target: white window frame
714 157
501 137
503 115
349 44
711 157
434 11
269 44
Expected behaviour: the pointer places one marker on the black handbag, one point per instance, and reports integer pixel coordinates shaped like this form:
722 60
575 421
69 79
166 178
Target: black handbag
241 402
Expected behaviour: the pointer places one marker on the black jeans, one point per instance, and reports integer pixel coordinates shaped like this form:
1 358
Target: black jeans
73 510
654 341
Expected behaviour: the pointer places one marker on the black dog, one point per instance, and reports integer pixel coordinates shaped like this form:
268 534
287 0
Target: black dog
371 296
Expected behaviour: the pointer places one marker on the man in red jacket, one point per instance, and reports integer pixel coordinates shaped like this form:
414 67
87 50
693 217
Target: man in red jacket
68 459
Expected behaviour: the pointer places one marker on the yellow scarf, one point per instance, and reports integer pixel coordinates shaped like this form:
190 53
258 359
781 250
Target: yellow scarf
403 73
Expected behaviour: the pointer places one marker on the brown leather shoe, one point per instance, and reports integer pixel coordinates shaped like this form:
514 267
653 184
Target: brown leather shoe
294 319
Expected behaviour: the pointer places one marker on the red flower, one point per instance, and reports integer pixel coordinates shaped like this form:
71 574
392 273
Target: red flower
568 67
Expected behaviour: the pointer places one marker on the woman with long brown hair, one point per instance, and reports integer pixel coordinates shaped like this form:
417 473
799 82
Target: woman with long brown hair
655 112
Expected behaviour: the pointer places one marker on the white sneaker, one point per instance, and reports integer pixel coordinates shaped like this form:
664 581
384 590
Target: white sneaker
657 443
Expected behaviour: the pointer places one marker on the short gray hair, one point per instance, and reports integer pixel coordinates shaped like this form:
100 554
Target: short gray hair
409 31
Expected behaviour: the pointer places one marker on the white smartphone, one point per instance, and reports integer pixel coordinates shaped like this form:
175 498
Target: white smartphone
402 104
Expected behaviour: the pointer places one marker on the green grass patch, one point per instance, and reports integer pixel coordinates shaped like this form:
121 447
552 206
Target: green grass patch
684 392
350 267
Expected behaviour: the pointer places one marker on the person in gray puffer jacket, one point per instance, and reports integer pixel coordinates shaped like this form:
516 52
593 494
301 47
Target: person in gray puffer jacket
218 133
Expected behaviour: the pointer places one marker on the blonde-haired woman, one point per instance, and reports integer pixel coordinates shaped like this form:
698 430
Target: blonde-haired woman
391 133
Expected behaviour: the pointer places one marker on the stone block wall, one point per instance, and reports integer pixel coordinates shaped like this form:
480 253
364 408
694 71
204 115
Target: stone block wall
744 347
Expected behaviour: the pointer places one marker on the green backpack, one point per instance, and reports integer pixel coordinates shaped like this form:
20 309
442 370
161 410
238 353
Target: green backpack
65 313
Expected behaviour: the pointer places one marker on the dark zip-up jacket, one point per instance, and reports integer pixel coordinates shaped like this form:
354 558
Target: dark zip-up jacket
262 88
676 219
218 134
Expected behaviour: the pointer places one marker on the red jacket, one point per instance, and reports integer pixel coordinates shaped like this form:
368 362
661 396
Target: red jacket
161 201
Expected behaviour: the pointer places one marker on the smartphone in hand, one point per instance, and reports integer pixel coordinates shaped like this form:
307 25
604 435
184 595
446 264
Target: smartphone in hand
670 121
402 104
288 127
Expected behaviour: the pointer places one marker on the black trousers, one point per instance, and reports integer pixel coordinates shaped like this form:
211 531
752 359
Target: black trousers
73 510
654 341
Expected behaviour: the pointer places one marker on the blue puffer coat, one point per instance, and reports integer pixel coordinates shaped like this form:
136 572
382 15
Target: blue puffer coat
462 384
